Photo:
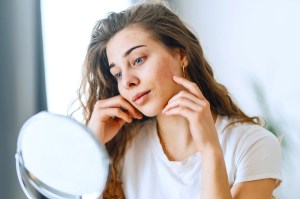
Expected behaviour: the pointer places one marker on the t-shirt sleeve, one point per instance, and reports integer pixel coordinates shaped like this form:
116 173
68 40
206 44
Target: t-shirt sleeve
259 157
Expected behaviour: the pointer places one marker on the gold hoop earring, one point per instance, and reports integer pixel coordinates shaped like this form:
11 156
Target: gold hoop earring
183 71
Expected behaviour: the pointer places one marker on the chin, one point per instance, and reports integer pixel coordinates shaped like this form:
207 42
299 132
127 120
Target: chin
149 114
151 111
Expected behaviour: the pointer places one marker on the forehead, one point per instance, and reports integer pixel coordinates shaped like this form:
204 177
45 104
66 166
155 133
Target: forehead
126 39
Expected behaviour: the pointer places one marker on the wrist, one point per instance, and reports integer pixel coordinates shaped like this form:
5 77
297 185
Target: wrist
211 151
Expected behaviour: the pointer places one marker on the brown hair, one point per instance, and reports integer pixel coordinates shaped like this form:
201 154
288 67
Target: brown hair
167 28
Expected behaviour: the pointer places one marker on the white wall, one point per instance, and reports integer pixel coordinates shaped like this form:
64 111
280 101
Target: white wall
256 41
67 26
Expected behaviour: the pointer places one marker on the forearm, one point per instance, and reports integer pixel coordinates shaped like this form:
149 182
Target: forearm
214 175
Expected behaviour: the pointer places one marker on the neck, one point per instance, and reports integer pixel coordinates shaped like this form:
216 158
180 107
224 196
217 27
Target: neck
175 137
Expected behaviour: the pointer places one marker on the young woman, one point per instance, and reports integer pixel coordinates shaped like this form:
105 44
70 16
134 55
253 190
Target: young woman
171 130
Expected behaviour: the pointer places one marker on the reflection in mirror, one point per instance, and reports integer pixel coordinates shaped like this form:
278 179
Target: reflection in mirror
57 157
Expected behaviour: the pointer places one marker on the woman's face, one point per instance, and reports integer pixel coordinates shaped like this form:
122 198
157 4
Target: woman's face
144 69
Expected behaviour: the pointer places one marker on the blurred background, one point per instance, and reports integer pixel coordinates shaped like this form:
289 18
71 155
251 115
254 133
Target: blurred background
253 46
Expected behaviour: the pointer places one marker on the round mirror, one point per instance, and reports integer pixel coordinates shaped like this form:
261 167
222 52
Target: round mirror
57 157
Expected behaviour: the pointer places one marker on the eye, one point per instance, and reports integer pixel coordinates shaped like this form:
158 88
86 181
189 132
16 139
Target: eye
138 61
118 75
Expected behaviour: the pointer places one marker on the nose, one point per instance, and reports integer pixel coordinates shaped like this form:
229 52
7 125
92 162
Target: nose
129 79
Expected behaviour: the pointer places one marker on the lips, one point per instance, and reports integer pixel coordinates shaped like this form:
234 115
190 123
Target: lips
139 95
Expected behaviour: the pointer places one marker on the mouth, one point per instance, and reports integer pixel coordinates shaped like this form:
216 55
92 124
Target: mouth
139 96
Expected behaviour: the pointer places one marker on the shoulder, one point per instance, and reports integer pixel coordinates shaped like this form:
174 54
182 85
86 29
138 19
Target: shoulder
244 135
250 150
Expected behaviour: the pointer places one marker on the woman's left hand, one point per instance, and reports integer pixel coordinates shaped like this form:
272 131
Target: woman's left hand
192 105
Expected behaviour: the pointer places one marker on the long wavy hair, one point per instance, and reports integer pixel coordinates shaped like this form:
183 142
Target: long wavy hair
98 83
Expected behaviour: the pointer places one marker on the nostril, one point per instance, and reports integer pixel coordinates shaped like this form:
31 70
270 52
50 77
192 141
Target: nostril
131 84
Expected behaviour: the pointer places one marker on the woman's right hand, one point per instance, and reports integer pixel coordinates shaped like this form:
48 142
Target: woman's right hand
110 115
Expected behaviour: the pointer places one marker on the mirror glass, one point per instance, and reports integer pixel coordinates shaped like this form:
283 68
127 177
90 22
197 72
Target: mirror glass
57 157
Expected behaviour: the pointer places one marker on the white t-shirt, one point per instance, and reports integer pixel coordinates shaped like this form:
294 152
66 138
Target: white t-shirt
250 153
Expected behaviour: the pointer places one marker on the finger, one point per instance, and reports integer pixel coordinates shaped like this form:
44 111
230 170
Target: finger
115 113
131 109
182 111
185 94
190 86
121 122
182 102
120 102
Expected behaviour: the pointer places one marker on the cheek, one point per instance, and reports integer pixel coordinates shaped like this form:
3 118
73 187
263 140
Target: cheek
123 93
162 77
166 70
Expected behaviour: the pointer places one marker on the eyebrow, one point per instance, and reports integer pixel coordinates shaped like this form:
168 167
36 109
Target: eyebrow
127 53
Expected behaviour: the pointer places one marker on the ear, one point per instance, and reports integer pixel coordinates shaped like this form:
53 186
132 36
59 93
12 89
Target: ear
182 56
